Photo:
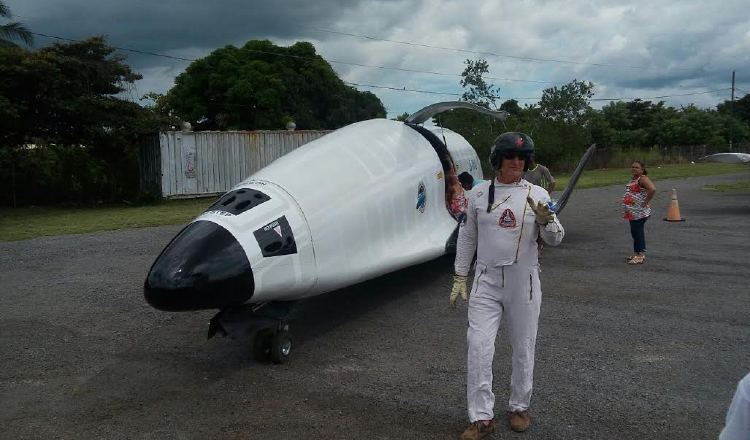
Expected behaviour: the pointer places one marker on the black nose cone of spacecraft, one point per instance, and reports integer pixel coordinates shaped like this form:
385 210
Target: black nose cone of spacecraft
203 267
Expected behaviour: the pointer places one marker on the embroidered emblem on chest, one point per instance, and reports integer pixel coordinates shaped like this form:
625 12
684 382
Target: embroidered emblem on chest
507 219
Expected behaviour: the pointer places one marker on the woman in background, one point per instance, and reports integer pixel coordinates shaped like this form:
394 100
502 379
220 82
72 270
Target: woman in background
454 193
637 205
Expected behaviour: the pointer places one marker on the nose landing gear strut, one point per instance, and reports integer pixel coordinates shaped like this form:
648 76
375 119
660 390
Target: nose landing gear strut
269 322
273 344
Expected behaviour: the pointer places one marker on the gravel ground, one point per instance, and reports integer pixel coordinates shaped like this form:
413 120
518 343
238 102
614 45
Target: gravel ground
651 351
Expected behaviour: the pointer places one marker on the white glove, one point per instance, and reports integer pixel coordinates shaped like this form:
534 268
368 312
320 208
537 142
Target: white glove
459 288
541 211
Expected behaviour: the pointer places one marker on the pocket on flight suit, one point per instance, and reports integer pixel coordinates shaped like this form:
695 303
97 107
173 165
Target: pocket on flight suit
478 273
534 286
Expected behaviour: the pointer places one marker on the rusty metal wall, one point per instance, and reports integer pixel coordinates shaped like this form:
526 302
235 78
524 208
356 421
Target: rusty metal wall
210 162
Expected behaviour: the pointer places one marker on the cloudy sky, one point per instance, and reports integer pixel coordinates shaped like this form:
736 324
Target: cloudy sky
682 51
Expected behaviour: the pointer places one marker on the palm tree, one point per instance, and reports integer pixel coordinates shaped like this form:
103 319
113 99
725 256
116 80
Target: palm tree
13 30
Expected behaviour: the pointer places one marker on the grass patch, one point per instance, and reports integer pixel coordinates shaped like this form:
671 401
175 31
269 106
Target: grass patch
621 176
24 223
729 187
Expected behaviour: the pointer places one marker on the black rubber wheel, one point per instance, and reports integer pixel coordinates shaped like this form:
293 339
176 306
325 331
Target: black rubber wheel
281 347
262 345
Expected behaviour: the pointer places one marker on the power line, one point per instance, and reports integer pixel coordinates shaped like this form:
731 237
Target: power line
402 69
118 48
440 73
404 89
399 89
484 53
143 52
663 96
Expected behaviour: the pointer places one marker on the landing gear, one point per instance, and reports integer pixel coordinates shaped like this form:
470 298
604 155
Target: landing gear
281 346
273 344
262 345
267 323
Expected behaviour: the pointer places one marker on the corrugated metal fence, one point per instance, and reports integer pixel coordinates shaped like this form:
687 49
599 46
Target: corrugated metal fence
209 162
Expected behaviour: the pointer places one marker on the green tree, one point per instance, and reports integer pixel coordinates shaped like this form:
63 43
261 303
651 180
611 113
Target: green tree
261 85
13 31
63 128
511 106
643 113
476 89
563 130
602 132
737 115
740 109
568 103
617 115
66 94
479 130
693 126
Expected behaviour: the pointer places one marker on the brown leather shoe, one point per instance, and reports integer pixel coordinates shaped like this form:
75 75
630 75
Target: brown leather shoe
478 430
519 420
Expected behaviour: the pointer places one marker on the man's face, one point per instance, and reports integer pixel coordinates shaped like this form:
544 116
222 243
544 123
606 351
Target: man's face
512 166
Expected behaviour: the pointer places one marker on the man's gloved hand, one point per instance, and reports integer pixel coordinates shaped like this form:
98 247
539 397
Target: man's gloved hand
459 288
541 210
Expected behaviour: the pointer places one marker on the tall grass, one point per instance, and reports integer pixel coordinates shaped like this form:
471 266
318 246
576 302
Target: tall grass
621 176
651 157
655 156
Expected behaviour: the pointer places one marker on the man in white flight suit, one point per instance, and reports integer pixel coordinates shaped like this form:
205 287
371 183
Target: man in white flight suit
504 219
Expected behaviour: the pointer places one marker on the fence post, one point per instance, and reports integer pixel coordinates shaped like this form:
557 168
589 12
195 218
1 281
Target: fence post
13 181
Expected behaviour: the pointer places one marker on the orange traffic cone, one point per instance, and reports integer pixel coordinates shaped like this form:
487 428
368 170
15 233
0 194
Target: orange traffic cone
673 212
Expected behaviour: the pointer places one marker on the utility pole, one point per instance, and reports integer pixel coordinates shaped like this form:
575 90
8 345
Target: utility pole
731 114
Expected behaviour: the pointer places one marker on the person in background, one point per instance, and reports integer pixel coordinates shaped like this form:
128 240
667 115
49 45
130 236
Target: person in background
539 175
455 197
504 218
636 203
738 415
468 181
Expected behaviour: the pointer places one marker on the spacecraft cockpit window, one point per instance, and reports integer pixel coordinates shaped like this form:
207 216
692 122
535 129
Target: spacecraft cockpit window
238 201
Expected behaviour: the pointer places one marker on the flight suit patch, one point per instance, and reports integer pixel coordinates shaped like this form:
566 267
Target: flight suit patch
507 219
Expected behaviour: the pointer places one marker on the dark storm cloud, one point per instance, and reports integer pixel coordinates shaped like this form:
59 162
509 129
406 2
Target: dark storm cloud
628 49
696 53
685 60
169 26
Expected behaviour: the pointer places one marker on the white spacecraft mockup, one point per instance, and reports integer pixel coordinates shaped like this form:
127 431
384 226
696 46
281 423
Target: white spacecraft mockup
360 202
727 158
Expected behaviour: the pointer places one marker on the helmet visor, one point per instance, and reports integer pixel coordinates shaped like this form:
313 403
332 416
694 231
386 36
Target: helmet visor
514 155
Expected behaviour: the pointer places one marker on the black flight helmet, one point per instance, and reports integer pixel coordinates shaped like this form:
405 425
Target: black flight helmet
512 143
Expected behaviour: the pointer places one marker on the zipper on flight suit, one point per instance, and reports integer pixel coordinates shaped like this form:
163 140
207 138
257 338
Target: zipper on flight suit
479 272
531 287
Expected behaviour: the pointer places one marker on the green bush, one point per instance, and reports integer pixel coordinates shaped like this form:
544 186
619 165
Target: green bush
53 174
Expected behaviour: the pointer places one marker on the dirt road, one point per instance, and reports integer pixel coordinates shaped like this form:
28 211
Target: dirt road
652 351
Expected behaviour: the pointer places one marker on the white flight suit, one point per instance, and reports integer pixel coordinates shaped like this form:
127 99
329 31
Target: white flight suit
506 282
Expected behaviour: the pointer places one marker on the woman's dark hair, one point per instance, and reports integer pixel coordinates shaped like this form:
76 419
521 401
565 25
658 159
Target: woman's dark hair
465 178
643 166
